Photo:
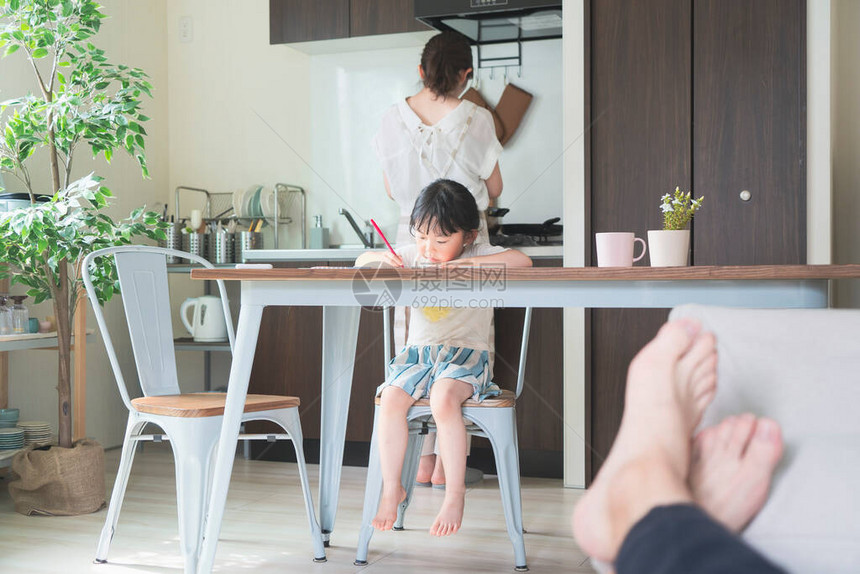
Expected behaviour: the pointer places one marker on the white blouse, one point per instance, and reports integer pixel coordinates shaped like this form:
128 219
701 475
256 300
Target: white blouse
462 146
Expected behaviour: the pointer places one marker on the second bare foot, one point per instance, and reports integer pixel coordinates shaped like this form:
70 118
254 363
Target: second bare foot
733 463
438 478
386 514
426 466
450 516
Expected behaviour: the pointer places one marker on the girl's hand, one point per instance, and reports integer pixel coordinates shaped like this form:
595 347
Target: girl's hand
392 260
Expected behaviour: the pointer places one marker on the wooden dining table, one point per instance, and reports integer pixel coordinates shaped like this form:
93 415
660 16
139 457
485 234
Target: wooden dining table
343 291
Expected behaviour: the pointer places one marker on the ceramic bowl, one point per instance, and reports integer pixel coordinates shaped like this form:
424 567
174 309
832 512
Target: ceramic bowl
9 414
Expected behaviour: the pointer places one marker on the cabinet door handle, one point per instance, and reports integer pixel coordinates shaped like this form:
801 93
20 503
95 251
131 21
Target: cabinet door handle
745 195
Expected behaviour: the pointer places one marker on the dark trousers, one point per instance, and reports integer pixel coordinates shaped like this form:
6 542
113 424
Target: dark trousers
682 539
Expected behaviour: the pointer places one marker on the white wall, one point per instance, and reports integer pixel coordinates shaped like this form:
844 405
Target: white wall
846 145
132 35
239 108
574 240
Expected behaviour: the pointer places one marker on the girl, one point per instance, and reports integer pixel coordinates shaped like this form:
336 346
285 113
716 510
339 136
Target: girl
446 355
430 135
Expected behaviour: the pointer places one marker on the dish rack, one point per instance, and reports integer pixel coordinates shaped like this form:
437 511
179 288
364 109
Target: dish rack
219 207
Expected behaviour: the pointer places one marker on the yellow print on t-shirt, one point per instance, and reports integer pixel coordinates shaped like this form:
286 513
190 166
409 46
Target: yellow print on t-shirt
434 314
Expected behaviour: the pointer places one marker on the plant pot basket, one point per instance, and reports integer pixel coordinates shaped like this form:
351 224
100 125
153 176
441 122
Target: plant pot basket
59 481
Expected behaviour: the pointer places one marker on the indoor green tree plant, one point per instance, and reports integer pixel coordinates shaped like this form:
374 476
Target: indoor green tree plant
670 246
80 100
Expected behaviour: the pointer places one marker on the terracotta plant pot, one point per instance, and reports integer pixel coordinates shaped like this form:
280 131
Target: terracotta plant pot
669 248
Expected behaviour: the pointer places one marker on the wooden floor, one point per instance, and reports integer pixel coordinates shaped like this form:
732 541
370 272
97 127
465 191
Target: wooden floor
265 529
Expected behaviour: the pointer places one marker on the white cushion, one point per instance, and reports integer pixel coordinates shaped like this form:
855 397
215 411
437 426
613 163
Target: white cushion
800 367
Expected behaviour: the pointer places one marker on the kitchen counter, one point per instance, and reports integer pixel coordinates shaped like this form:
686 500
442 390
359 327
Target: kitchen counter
350 254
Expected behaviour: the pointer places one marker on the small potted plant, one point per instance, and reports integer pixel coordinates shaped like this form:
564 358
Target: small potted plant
80 100
670 246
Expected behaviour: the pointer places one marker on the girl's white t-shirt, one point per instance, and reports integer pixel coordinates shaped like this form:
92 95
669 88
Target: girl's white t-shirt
462 146
459 314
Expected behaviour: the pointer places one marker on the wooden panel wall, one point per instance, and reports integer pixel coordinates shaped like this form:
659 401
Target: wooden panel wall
640 149
749 131
708 95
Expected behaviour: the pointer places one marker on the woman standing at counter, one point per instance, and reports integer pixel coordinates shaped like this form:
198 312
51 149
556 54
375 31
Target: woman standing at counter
432 135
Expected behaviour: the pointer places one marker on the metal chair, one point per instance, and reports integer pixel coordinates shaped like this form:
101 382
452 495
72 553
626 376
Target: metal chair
191 422
493 418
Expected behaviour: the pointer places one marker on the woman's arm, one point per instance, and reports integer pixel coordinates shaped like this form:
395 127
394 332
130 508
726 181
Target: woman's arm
388 185
494 183
509 258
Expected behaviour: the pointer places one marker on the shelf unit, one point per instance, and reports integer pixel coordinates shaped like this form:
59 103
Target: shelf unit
34 341
10 343
189 344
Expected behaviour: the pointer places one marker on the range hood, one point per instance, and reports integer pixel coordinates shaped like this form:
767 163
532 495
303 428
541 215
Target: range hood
493 21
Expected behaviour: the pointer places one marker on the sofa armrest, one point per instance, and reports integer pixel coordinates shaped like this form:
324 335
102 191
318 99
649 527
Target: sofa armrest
800 367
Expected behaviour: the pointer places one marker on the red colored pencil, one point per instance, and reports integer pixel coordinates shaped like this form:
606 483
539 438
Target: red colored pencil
382 235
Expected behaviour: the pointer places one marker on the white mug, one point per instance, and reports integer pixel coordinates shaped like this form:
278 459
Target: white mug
616 249
207 324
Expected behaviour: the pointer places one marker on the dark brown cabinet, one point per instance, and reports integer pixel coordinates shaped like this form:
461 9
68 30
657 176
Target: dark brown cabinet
289 354
371 17
708 95
308 20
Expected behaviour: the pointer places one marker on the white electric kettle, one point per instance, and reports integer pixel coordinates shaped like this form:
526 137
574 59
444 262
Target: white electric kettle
207 323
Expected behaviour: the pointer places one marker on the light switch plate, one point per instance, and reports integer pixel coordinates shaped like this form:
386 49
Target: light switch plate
186 30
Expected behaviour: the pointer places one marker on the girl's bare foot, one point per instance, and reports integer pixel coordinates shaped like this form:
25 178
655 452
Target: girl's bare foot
669 384
386 514
450 515
438 478
733 463
426 465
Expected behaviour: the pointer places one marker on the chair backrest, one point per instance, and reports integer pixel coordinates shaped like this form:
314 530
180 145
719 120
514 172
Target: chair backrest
524 345
142 272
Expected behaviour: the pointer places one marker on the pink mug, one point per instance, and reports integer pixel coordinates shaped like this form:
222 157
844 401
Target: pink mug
616 249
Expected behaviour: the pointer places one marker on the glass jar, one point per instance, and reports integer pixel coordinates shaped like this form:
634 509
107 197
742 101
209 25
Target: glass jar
5 316
20 316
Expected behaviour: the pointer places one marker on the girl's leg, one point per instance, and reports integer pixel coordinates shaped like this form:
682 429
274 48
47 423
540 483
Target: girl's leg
392 434
446 398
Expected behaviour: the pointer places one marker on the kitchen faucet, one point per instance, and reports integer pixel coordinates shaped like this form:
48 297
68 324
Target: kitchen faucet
366 236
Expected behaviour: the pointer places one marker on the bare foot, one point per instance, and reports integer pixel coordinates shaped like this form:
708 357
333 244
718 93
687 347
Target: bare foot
438 478
450 515
733 463
669 384
386 514
426 465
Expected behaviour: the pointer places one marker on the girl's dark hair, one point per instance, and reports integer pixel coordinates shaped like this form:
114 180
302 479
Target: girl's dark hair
446 206
445 55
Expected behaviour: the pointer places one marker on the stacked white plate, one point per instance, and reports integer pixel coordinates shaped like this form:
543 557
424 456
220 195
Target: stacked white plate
35 432
11 439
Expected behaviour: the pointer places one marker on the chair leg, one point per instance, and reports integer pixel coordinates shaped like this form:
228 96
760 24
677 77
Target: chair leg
291 423
500 426
118 494
193 449
372 494
407 477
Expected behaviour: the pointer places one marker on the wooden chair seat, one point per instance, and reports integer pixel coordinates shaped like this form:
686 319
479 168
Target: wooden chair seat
506 400
193 405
